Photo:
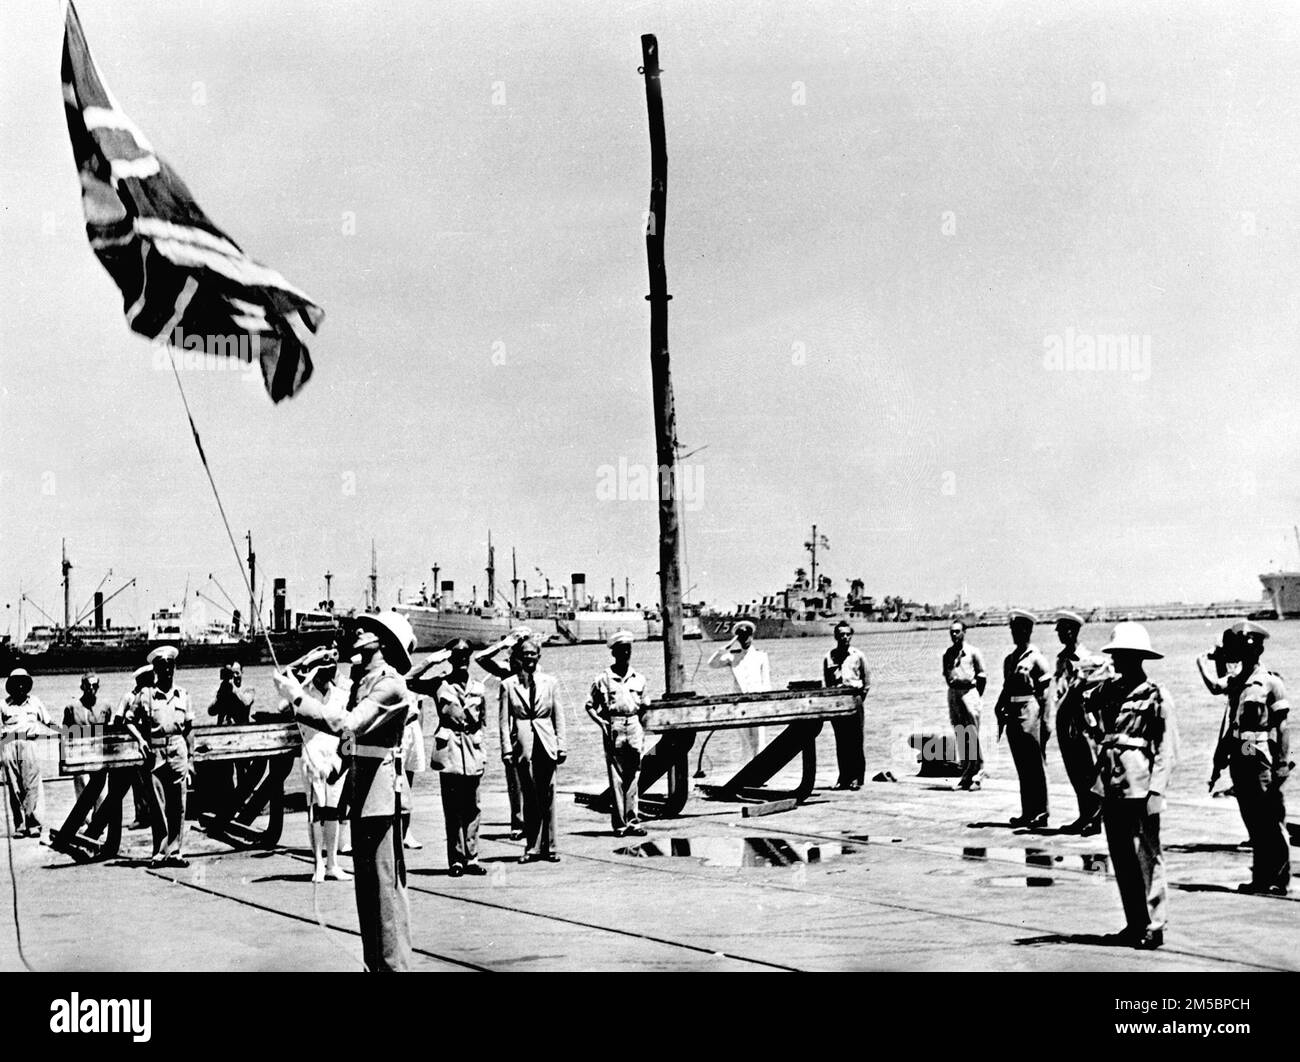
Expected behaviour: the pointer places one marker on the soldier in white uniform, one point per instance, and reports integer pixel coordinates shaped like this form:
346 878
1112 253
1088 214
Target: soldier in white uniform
617 704
750 673
371 744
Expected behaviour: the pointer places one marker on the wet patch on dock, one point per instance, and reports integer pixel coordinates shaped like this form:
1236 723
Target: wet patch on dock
741 851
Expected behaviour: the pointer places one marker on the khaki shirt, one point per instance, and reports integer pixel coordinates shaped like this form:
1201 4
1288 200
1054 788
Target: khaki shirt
1257 707
167 715
375 726
462 710
1134 729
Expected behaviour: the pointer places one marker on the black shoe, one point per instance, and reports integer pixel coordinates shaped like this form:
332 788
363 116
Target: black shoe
1252 887
455 870
854 785
1038 822
1090 828
527 857
1074 827
475 870
1149 939
552 857
840 784
1017 820
636 831
516 835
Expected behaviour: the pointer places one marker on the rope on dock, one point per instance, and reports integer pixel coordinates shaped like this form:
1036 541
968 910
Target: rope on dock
13 886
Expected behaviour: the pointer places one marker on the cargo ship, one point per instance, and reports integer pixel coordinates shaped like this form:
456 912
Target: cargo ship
98 645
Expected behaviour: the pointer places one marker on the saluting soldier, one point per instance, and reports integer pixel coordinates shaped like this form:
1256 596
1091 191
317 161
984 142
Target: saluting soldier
1021 710
963 671
1255 746
1131 719
487 660
616 704
462 710
1077 669
371 745
164 710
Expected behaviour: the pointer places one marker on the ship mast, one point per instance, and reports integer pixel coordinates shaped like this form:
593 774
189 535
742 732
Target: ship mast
67 592
670 576
252 587
491 573
514 581
329 597
374 578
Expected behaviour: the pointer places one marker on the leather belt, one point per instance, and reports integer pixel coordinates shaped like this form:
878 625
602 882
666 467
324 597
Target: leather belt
1123 741
371 752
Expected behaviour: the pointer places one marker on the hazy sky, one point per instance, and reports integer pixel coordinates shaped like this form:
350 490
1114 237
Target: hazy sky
881 219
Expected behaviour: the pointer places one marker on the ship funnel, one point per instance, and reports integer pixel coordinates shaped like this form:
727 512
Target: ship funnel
579 581
280 616
448 591
99 611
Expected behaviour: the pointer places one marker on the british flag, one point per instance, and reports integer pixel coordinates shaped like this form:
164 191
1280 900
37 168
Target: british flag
180 276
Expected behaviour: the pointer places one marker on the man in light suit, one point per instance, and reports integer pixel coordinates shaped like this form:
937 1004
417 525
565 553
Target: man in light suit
532 738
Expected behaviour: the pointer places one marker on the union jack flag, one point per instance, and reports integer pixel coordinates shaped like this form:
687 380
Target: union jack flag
180 276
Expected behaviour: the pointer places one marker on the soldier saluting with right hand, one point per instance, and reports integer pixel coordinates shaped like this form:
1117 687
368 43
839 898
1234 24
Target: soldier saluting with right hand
1255 747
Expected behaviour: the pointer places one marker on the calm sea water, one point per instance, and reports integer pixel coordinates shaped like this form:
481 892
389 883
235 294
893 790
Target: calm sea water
907 692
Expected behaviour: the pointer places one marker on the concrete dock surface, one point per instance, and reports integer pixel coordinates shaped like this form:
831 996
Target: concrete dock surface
909 876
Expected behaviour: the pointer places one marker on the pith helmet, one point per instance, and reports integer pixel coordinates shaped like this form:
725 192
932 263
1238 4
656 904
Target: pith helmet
18 679
396 638
1131 637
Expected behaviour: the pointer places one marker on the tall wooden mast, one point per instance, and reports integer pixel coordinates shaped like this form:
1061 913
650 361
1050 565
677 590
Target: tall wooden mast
670 578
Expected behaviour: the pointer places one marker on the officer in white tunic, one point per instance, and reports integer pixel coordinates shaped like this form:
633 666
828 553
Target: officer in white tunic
371 744
617 704
750 673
